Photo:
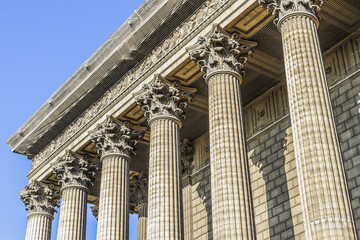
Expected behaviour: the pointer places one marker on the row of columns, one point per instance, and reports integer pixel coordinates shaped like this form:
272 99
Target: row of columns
323 191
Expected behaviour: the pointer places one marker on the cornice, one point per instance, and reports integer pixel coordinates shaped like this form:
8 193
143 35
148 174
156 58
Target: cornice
192 26
145 29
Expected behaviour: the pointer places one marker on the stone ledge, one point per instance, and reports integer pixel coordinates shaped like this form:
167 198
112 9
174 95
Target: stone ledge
144 29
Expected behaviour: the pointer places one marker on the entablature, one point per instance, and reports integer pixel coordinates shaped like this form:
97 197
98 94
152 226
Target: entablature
171 60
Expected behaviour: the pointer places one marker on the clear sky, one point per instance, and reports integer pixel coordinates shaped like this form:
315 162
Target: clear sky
42 43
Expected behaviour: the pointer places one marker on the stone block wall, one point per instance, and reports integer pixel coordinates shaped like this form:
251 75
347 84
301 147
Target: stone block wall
274 183
346 107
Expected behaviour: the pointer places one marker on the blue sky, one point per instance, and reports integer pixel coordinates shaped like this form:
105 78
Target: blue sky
41 44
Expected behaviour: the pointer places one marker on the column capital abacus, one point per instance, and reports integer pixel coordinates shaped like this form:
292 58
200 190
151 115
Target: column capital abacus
40 199
220 52
75 171
163 99
283 9
113 137
187 152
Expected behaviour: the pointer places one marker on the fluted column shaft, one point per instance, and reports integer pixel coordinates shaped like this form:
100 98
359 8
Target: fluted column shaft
72 220
188 209
38 226
113 218
164 196
323 190
142 222
230 183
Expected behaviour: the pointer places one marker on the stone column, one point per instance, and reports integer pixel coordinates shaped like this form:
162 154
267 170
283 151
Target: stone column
40 202
324 195
162 102
187 151
75 174
115 141
221 57
140 193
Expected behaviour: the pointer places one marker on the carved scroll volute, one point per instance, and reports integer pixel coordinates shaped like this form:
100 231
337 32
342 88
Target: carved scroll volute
75 171
40 198
115 137
163 99
283 8
220 51
187 153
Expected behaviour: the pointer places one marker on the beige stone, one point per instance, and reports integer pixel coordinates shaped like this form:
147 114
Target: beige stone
115 141
230 181
40 202
75 174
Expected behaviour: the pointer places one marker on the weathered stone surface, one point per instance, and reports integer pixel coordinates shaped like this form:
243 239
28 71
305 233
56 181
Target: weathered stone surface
222 58
115 141
40 202
76 174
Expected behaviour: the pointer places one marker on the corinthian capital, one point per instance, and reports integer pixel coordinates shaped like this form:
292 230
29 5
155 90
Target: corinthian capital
115 137
187 152
282 8
161 98
220 51
74 171
95 211
39 199
139 189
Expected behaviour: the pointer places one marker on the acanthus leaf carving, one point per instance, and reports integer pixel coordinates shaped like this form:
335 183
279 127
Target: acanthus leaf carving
281 8
161 98
113 136
187 156
208 8
220 51
40 199
139 189
75 171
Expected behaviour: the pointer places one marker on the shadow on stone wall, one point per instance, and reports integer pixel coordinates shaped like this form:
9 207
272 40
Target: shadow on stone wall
204 192
269 157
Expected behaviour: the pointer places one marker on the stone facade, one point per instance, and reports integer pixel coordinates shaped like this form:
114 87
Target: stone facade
231 128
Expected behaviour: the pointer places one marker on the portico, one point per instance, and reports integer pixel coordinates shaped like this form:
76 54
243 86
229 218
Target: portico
223 130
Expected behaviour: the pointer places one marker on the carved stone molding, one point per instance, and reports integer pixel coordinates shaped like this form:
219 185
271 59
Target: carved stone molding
220 51
163 99
139 189
176 39
285 8
39 199
75 171
187 156
95 211
115 137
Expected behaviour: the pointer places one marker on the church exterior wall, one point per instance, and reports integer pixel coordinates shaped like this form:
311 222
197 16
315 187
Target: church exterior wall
274 180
